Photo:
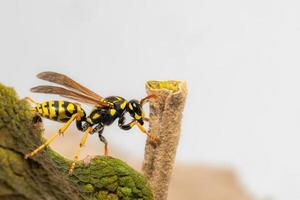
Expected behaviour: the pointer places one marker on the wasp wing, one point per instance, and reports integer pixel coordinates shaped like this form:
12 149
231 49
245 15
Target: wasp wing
69 94
66 81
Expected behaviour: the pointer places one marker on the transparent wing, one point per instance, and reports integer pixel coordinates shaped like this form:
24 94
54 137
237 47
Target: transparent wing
47 89
66 81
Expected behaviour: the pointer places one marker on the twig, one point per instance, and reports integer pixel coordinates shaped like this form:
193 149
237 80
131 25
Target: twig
165 120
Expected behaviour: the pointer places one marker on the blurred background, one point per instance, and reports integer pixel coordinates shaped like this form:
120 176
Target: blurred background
241 126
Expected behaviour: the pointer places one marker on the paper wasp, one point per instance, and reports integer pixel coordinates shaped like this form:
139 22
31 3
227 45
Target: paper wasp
105 112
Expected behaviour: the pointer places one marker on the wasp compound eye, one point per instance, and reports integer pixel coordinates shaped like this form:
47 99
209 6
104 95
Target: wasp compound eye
135 107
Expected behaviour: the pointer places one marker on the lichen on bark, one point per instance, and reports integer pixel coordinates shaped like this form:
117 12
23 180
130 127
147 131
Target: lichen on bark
44 176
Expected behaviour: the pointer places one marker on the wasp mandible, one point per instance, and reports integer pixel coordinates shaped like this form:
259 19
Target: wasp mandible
105 111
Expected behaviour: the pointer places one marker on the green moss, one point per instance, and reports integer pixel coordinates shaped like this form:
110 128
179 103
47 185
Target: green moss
127 181
108 180
124 192
45 174
107 196
88 188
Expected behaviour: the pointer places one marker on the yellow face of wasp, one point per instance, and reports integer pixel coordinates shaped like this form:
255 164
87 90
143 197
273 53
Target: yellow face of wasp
137 116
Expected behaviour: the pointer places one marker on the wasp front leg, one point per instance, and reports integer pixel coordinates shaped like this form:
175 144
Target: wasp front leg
152 136
124 126
128 126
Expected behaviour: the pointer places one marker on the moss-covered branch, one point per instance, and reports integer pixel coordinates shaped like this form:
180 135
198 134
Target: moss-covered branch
44 177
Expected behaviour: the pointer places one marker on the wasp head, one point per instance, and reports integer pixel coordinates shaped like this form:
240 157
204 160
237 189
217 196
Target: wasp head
135 108
136 111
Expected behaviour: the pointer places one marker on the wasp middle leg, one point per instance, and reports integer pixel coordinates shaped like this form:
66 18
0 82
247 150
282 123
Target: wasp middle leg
99 128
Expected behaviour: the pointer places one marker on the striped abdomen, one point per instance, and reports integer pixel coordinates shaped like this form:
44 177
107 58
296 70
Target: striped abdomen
58 110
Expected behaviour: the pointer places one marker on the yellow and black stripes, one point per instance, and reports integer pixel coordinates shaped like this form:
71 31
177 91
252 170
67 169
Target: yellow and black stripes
60 111
105 112
107 115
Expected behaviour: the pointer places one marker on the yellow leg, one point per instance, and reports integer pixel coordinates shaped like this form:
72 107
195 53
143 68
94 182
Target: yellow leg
150 135
105 150
60 131
102 139
82 142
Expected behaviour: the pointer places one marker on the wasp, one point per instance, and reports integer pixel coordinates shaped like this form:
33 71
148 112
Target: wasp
105 111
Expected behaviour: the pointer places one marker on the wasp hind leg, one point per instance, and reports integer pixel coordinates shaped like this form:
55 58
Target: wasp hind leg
60 131
82 142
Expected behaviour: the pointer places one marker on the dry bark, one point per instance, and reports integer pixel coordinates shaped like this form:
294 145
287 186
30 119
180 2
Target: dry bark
165 121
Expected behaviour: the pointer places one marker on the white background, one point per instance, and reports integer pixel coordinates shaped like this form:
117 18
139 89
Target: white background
240 60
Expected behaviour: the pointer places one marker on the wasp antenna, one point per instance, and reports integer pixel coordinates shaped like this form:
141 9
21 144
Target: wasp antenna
144 100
